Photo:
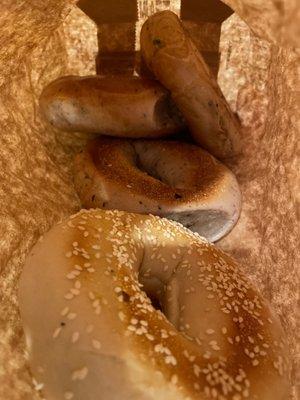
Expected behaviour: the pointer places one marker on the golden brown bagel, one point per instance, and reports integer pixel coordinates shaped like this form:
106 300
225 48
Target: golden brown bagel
172 56
93 334
115 105
176 180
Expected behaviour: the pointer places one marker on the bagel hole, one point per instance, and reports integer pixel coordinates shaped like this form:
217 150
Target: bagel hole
149 171
155 302
150 168
153 288
152 160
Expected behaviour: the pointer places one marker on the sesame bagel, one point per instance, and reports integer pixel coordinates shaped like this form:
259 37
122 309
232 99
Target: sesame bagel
172 179
113 105
92 332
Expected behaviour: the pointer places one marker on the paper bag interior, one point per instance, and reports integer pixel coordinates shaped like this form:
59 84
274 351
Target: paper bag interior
40 41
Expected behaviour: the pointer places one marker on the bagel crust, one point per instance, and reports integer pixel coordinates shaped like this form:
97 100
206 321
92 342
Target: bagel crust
113 105
174 59
92 332
171 179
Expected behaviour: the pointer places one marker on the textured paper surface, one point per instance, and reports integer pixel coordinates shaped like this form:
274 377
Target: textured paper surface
42 40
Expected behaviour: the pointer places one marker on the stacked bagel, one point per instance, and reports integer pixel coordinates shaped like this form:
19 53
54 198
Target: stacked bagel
139 307
140 172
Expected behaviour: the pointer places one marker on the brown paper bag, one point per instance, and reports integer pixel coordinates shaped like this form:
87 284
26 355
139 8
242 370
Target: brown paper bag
40 40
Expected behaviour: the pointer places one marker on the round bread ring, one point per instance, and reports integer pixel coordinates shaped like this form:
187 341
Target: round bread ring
171 179
92 332
124 106
172 56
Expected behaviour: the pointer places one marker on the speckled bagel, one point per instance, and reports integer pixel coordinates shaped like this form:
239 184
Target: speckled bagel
124 106
172 179
92 332
173 57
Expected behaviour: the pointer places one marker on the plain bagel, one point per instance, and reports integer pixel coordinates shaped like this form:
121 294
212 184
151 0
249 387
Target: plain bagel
113 105
173 57
172 179
92 332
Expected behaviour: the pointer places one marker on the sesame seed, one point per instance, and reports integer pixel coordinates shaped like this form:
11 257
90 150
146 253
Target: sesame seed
91 295
77 284
197 370
71 315
121 315
170 360
75 337
56 332
256 349
96 303
80 374
131 328
68 395
64 311
38 386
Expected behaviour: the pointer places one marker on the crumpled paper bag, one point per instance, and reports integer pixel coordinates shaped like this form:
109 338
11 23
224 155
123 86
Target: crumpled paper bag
40 41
